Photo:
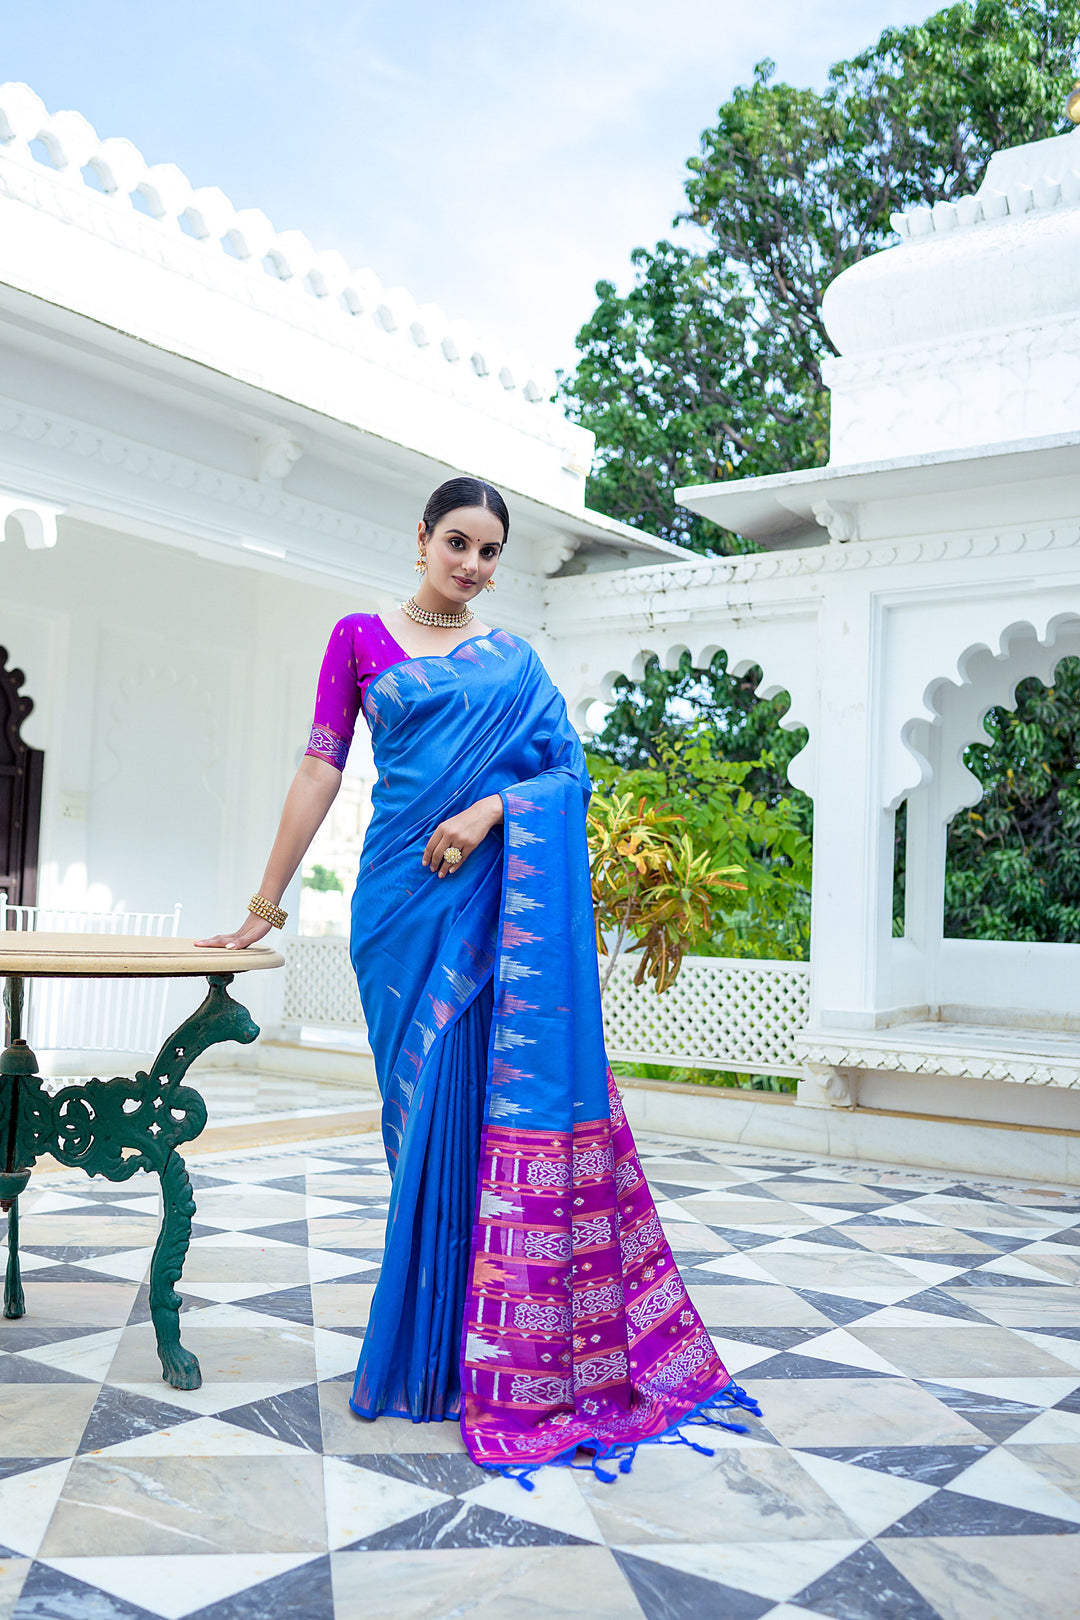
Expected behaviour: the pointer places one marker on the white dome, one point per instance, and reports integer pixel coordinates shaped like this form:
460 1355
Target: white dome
936 333
1004 256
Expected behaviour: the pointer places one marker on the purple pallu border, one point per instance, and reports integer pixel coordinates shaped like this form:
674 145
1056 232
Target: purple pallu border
578 1332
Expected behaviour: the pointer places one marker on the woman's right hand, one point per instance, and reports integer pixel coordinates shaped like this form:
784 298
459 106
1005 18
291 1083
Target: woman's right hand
251 931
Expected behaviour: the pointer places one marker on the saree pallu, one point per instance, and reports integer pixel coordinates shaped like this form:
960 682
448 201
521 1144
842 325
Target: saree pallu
527 1286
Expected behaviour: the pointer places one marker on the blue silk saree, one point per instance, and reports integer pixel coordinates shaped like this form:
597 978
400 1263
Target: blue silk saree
527 1288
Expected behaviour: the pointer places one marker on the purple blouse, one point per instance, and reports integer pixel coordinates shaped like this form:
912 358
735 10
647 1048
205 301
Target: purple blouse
359 649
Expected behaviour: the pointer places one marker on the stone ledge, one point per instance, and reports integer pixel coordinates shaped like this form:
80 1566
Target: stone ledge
1033 1057
928 1142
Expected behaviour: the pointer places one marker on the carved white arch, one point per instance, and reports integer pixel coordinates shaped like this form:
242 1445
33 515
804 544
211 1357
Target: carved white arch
989 680
587 664
974 643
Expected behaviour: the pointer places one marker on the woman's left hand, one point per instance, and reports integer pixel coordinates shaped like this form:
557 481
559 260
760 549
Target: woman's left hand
464 832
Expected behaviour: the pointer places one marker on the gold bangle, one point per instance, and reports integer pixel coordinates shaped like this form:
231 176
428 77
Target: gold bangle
267 911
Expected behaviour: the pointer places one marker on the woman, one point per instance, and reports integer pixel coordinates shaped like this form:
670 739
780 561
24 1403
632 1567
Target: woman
527 1286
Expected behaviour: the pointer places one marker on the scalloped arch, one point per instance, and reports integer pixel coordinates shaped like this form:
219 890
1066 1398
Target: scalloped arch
787 667
987 677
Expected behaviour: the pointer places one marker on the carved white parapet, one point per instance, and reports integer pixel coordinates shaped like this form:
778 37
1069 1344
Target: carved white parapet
58 165
956 1051
1041 175
29 519
966 332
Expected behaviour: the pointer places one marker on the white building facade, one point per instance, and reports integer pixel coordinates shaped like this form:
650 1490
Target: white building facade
906 588
214 442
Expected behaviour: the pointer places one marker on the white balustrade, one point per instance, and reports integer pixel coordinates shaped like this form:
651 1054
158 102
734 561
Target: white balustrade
320 985
720 1013
110 1015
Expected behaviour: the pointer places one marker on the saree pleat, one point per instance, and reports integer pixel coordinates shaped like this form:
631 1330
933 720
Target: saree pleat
409 1364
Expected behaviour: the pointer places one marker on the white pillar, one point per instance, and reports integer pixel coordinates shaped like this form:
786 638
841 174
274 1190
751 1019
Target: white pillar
851 903
924 883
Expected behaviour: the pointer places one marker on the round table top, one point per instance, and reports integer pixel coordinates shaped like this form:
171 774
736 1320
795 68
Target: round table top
121 956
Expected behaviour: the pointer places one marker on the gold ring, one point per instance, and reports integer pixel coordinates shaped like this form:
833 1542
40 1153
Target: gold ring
452 856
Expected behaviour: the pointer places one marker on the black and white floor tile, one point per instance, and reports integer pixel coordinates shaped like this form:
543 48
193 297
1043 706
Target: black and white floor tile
914 1344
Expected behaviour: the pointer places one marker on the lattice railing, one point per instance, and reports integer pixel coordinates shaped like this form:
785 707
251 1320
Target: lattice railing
721 1013
94 1015
320 985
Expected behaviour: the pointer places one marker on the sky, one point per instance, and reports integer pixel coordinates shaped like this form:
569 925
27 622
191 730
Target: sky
496 159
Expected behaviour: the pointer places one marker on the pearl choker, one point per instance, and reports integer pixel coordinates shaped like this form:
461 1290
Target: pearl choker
440 621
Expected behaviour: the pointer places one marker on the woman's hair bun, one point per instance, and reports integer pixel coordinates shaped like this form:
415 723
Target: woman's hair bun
457 492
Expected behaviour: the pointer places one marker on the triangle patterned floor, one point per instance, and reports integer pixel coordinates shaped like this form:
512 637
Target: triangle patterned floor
914 1342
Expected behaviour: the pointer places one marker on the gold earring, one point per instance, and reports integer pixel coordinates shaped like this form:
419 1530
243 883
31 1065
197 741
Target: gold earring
420 564
490 586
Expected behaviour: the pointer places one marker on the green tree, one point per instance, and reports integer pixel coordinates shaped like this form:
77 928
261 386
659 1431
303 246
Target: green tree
710 366
322 879
719 710
722 816
1013 864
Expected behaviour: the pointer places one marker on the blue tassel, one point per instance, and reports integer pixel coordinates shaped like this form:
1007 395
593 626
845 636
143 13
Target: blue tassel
624 1452
734 1396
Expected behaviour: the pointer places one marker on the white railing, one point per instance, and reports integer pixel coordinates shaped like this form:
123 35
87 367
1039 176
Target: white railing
320 985
721 1012
99 1015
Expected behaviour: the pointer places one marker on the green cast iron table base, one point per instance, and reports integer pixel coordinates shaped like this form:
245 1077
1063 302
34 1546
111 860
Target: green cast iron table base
113 1128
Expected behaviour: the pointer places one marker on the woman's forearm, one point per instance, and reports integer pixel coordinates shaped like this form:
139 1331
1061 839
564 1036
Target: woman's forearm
314 789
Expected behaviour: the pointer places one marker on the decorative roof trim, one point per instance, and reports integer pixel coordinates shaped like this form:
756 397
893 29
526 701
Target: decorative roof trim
1018 180
170 221
670 581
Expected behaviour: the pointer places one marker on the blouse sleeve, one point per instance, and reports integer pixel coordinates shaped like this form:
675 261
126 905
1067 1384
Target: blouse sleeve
337 701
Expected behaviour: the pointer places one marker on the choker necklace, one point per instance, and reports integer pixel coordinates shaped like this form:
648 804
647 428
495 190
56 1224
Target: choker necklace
440 621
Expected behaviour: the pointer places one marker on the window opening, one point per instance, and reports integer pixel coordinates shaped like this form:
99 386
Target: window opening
1013 860
899 882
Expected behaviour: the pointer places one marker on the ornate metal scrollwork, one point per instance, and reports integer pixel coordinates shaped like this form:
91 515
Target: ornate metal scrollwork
114 1128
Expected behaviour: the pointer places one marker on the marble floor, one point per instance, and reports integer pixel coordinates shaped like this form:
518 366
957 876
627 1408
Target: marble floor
914 1344
234 1095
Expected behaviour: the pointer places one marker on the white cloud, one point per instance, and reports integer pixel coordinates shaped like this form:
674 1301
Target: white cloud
518 155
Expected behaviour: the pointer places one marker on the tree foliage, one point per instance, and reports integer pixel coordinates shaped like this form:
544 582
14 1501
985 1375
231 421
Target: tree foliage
1013 865
722 818
322 879
718 710
710 366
